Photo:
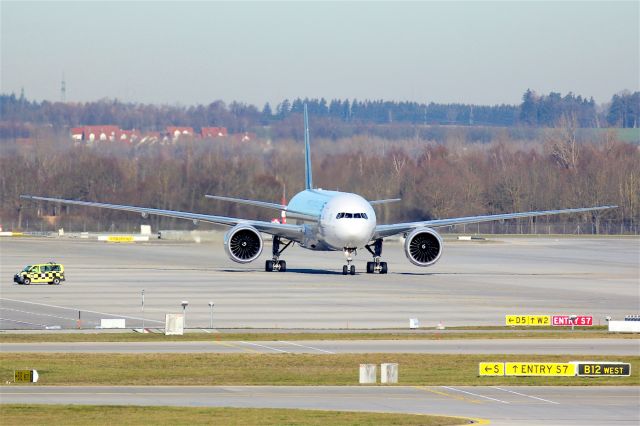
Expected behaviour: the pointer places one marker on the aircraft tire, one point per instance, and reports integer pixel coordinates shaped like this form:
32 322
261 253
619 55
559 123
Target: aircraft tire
383 268
370 266
268 266
353 270
283 266
345 270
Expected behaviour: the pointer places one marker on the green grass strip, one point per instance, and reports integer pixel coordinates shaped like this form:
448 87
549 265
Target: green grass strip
282 369
15 414
202 336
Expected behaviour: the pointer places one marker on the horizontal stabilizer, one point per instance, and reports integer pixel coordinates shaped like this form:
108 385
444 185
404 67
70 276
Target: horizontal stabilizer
390 200
265 204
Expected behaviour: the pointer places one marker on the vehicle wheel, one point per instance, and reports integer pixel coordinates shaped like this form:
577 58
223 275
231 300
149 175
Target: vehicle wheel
383 267
268 266
370 266
345 270
56 281
26 281
353 270
283 266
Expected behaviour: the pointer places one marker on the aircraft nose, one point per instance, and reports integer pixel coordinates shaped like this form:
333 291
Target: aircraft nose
354 233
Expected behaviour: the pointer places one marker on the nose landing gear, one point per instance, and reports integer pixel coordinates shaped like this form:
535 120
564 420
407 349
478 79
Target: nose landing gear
377 265
275 264
349 269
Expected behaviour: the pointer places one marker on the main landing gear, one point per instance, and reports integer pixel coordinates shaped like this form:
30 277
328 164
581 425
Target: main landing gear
349 269
275 264
376 265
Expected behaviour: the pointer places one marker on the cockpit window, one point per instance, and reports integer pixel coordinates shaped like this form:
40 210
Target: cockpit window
352 216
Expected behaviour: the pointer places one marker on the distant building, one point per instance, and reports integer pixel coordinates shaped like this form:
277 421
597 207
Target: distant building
172 134
129 136
104 133
213 132
176 133
245 137
77 133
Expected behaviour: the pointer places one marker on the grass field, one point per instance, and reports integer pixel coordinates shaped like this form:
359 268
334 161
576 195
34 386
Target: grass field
14 414
282 369
492 333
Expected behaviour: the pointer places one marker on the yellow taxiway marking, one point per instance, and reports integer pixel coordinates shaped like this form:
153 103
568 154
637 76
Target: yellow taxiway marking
458 397
231 345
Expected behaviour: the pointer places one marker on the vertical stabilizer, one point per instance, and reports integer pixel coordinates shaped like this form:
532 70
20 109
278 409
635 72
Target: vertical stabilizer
308 180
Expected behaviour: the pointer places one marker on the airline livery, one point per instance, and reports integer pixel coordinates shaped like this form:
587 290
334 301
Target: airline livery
325 221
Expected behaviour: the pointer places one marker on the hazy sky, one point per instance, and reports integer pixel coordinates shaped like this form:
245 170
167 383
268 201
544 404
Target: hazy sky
187 53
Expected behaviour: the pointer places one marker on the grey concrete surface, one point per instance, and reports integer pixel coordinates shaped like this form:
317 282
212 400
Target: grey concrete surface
474 284
501 405
596 347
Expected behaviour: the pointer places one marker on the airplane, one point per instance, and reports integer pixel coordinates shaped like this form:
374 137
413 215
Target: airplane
324 221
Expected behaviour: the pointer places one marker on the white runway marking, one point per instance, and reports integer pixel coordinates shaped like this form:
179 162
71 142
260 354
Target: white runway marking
307 347
528 396
82 310
264 346
37 313
23 322
474 394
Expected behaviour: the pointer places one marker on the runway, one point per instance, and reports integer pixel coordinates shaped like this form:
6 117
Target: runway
474 284
596 347
500 405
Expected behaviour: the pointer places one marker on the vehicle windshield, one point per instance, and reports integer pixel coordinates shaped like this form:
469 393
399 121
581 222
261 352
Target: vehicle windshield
26 268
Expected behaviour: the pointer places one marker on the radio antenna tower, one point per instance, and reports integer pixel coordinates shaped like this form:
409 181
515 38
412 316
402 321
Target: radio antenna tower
63 90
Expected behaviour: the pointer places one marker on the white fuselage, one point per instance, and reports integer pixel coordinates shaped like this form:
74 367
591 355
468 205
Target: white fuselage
345 220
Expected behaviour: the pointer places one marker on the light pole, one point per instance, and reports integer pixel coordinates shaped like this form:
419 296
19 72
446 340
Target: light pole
211 315
572 319
184 304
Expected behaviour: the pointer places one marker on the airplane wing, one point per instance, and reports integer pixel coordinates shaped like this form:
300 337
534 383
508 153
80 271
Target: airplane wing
290 232
383 231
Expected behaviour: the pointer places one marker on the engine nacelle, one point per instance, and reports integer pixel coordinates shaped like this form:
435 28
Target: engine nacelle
423 246
243 243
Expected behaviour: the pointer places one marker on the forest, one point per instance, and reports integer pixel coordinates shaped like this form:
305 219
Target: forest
434 179
333 119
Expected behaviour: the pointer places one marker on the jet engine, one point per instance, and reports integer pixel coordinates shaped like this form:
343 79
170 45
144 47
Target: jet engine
243 243
423 246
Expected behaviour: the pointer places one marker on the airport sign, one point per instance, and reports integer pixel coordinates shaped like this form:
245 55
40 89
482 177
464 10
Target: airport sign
597 369
120 238
529 320
25 376
567 321
491 369
540 369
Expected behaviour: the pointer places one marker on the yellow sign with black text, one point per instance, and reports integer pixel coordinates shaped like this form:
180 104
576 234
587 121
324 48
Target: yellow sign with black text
491 368
539 369
528 320
120 238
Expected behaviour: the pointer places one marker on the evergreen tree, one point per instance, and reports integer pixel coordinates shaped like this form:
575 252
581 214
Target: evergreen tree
266 115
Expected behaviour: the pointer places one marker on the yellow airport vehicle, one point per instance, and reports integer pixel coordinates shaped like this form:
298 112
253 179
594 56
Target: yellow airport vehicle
50 273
